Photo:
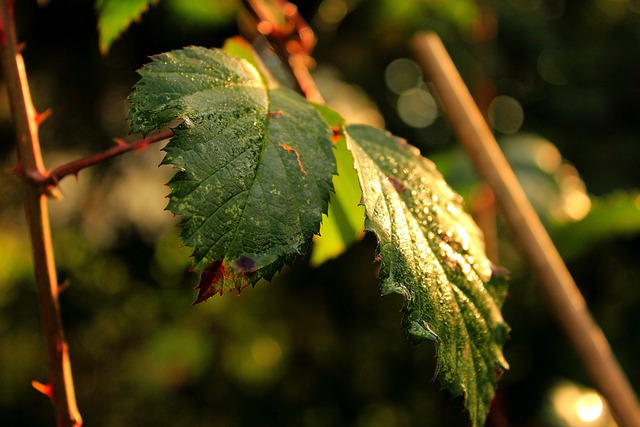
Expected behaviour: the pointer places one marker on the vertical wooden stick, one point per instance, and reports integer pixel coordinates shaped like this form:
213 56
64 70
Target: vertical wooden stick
60 388
558 286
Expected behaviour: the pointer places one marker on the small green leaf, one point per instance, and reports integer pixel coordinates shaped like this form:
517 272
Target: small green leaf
240 48
205 13
344 223
254 163
115 16
432 253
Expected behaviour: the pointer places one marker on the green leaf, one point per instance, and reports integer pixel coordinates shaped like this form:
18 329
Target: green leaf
205 13
432 253
240 48
115 16
254 163
344 223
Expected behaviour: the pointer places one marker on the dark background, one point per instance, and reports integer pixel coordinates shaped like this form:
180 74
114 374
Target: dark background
318 346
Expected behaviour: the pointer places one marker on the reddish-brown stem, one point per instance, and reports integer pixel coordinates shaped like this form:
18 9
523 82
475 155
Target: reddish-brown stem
559 288
25 118
291 38
51 179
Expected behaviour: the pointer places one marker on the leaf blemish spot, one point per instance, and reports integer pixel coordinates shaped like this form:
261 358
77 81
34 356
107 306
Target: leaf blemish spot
290 149
246 265
336 134
275 114
397 184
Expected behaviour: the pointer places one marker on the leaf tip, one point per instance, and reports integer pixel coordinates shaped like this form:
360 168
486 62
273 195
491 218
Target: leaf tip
209 281
499 272
420 331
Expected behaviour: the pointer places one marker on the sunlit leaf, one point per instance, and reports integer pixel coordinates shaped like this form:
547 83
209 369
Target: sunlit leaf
241 48
115 16
205 13
344 223
431 252
254 163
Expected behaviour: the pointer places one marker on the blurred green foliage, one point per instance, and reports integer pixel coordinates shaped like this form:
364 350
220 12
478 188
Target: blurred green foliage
317 347
115 16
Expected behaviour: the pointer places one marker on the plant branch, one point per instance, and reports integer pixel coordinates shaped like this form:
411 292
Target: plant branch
60 388
559 288
291 38
51 179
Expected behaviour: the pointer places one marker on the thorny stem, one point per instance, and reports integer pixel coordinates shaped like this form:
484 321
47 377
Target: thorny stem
60 388
559 288
54 176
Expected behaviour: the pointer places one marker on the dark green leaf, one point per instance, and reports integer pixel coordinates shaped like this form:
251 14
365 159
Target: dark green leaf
432 253
115 16
255 163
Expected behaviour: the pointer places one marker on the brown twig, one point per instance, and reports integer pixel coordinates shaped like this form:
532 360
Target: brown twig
51 179
291 38
561 292
60 388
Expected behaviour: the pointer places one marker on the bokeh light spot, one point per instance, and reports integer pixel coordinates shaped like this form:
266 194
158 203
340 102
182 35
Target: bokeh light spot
506 114
266 352
547 157
589 407
331 13
401 75
551 69
417 108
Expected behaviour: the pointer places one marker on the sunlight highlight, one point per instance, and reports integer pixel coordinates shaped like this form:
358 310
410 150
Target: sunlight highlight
576 406
589 407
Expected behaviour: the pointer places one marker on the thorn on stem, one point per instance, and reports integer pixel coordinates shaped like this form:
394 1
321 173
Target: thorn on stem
15 171
119 142
45 389
41 117
64 286
54 193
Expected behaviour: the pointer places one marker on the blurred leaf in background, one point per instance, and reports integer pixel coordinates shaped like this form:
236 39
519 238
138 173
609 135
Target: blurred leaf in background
115 16
204 13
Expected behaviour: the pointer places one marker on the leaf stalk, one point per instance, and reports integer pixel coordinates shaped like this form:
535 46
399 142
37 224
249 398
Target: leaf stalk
291 38
53 177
